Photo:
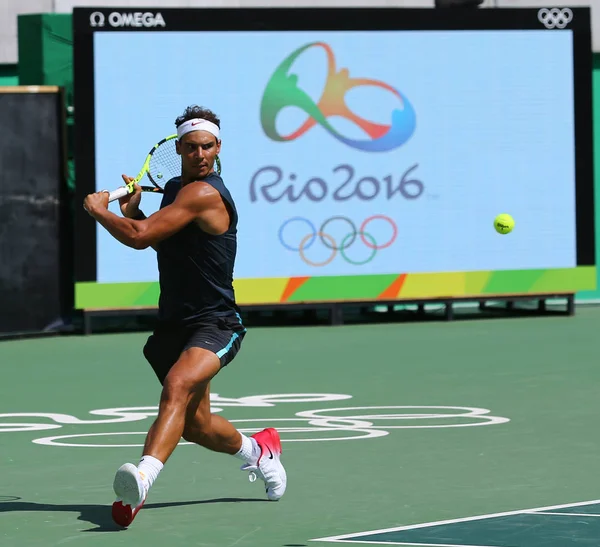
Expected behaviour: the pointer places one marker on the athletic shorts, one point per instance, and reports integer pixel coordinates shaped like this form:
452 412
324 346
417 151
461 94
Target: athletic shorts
223 336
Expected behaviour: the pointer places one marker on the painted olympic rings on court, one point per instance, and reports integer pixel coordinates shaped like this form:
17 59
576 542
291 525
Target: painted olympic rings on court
315 425
321 235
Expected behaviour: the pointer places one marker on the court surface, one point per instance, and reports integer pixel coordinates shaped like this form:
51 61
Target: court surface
469 433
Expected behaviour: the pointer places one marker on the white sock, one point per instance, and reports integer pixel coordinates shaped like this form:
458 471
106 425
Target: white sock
250 451
150 467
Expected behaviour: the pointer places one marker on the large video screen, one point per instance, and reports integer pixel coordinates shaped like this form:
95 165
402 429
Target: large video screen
365 164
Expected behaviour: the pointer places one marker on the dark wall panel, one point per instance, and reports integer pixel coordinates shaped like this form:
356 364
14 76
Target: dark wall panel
34 239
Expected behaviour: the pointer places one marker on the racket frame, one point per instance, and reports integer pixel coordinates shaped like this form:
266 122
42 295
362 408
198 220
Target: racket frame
145 170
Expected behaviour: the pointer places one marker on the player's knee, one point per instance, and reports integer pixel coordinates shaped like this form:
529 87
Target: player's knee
176 390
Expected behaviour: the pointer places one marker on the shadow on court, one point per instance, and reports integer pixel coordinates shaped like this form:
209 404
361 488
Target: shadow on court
100 515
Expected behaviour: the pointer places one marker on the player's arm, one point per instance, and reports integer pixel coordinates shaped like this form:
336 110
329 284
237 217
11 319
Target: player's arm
139 215
130 204
194 201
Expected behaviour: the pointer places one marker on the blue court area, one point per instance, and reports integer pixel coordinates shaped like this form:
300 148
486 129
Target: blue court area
573 525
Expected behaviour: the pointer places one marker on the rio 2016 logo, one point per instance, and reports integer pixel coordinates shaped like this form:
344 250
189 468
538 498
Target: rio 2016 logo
282 91
342 181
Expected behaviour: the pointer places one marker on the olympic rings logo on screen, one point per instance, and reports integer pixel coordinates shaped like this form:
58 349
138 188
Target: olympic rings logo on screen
353 237
555 17
283 91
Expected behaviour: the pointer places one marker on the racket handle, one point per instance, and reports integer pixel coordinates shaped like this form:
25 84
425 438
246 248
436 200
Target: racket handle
118 193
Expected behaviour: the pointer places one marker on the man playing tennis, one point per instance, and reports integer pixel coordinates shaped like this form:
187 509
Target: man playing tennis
199 329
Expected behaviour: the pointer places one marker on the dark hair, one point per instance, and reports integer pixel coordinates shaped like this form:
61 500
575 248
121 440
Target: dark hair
195 111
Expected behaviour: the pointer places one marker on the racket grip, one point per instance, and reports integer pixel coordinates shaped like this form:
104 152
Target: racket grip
118 193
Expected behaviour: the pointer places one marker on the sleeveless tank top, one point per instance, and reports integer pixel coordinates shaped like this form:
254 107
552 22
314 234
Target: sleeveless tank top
196 268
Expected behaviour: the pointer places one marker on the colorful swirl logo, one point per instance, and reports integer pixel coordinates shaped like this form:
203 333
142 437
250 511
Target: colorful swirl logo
283 91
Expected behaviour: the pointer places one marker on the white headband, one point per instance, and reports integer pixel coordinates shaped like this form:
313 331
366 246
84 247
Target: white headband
198 124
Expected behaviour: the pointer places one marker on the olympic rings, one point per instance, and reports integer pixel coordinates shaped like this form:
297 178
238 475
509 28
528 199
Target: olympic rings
328 241
326 261
352 234
382 217
555 17
369 258
302 219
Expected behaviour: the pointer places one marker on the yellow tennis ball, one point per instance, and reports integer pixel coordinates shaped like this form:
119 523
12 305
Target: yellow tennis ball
504 223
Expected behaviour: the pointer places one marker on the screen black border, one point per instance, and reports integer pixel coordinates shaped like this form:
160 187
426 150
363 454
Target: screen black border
339 19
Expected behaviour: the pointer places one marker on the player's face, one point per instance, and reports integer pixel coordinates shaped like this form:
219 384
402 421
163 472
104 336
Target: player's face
198 150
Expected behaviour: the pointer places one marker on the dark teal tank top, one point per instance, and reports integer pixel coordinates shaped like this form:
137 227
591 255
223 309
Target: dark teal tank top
196 268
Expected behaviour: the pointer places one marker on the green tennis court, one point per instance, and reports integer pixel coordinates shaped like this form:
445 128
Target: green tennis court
394 434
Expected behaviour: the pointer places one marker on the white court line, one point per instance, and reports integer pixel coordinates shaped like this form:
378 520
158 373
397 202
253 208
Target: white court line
562 514
352 538
414 544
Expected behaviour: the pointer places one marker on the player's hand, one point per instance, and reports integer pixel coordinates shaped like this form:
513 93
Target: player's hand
130 204
93 202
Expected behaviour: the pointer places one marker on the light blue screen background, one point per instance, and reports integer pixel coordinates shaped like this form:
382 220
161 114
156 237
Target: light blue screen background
494 133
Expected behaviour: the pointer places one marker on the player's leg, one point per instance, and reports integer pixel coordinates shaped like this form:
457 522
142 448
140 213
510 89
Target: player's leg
261 452
214 432
224 340
210 430
187 380
202 427
191 373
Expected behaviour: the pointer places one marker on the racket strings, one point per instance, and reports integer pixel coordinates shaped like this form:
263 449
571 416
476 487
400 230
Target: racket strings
165 164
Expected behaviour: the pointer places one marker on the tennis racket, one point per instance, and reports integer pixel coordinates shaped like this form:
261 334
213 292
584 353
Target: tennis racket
161 165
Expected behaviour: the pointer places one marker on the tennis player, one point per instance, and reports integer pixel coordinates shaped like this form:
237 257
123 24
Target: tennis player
199 330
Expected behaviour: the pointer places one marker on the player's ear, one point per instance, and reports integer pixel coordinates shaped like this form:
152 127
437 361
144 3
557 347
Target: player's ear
177 147
218 146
